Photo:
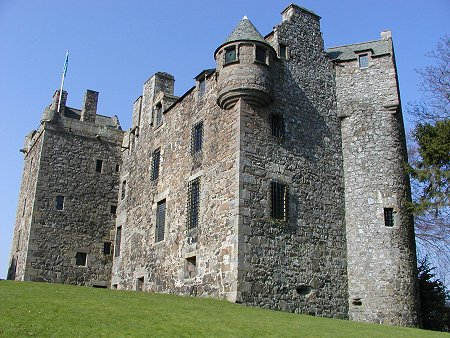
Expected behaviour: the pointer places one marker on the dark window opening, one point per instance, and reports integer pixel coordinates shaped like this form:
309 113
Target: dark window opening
114 286
279 200
193 207
24 207
117 168
113 209
260 54
201 88
283 51
277 125
230 54
99 166
389 217
140 284
155 164
107 246
118 240
363 61
59 202
303 289
124 189
160 220
197 138
100 286
80 259
158 114
191 267
357 301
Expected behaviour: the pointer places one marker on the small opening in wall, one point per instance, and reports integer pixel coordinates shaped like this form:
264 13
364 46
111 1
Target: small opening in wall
140 284
191 267
283 51
113 209
80 259
357 301
389 217
117 168
100 286
59 203
303 289
99 166
114 286
107 248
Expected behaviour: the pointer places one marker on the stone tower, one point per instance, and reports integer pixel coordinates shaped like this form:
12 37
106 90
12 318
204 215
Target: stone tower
380 231
68 197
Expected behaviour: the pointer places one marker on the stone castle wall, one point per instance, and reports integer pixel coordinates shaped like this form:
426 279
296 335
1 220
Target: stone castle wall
382 263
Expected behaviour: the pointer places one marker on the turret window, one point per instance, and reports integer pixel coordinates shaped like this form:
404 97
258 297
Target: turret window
230 54
260 54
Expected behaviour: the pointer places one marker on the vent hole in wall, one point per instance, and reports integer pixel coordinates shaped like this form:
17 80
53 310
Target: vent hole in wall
303 289
357 301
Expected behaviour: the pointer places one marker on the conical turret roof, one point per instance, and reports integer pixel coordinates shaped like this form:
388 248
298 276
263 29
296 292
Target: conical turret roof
245 30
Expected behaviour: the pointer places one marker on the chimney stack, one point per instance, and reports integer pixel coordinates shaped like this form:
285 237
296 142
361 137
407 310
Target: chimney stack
89 106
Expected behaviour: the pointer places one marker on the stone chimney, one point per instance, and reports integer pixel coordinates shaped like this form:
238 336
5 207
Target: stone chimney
386 35
55 101
89 109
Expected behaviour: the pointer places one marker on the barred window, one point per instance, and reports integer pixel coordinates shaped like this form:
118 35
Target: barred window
363 61
279 201
160 220
197 138
118 241
193 206
277 124
155 163
59 205
389 217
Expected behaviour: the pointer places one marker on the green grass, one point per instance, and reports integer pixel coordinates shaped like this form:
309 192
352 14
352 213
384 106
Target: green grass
43 310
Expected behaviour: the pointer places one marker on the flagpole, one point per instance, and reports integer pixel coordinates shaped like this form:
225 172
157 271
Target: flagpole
66 62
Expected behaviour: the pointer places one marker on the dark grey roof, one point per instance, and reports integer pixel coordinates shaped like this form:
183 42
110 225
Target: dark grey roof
346 53
245 30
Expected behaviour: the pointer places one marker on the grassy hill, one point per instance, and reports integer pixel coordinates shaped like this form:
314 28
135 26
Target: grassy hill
39 309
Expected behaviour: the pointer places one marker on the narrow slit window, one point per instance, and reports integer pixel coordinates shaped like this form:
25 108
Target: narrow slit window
277 125
279 201
156 157
193 207
118 241
283 51
191 267
158 114
124 190
59 203
230 54
197 138
201 88
389 217
363 61
80 259
99 166
160 221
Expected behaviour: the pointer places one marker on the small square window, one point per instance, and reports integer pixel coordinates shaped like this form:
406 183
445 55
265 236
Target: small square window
363 61
283 51
155 164
277 125
197 138
279 201
59 205
99 166
230 54
191 267
107 246
389 220
80 259
260 54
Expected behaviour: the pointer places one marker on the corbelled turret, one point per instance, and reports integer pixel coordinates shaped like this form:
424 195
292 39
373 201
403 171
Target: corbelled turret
244 67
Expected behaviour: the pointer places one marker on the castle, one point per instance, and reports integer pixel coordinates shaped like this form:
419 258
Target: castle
276 181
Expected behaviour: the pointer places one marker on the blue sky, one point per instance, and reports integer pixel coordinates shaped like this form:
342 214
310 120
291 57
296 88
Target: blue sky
116 45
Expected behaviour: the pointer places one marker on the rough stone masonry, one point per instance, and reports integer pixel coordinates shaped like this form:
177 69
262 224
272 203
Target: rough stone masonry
276 181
